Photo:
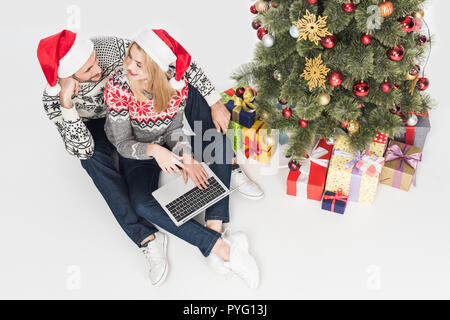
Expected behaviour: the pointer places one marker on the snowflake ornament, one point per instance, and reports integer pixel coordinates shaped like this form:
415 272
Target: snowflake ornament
315 72
312 28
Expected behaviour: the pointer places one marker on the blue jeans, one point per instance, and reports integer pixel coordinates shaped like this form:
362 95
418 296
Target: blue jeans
112 186
142 177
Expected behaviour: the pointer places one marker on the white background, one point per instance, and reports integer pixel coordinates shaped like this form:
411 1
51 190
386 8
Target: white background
58 238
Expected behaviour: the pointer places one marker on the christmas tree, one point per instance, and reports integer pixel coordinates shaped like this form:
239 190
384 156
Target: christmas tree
332 67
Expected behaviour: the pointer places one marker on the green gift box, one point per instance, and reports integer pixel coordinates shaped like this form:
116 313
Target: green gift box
235 135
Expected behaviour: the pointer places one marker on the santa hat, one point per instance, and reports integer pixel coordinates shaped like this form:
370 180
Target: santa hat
164 50
61 56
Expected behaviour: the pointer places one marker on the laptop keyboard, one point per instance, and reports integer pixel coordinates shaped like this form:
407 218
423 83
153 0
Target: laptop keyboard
194 199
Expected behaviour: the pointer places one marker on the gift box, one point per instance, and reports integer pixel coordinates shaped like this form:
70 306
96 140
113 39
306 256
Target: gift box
309 181
357 173
415 135
242 106
258 144
334 201
401 165
234 133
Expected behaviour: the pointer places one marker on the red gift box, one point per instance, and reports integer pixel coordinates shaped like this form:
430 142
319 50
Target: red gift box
310 180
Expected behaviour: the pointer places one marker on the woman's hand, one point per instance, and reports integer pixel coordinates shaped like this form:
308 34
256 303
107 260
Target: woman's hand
168 161
195 171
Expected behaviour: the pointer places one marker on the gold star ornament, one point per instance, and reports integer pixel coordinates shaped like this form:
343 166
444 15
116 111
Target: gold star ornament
315 72
312 28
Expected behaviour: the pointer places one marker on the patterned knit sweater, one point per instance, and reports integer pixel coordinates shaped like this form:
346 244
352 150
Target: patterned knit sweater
90 103
131 125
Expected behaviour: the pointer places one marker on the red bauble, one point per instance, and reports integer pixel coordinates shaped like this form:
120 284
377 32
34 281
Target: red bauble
255 25
344 124
366 39
423 83
312 1
408 24
386 87
329 42
240 91
287 113
415 70
253 9
335 79
302 123
348 7
397 53
361 89
294 165
261 33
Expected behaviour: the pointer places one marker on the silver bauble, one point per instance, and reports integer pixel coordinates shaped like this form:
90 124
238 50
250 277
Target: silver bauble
277 75
268 40
331 141
412 120
293 31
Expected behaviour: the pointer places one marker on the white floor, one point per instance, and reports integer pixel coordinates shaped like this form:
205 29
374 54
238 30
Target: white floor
58 238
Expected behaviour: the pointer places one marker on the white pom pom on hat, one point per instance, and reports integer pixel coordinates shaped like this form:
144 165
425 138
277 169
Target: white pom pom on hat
61 56
165 50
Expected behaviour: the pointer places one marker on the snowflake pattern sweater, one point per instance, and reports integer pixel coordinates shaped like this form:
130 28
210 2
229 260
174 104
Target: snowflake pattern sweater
131 125
90 104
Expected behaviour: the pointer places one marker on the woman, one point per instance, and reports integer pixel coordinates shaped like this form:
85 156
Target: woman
145 115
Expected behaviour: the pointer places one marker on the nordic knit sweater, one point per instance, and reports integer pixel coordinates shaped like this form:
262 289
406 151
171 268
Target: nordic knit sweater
90 104
131 125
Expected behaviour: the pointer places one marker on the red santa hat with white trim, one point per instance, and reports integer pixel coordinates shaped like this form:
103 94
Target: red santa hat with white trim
165 50
61 56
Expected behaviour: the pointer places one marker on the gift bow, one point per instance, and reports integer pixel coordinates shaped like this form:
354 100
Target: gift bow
337 196
370 164
245 102
394 152
355 157
313 157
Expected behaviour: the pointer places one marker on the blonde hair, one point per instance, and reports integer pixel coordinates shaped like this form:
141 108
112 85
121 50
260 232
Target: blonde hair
161 89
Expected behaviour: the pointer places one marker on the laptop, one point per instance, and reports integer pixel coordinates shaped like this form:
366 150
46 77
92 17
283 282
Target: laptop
183 201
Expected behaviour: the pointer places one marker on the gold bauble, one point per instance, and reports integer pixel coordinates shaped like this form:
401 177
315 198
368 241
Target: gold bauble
324 99
419 14
261 6
386 8
353 127
264 115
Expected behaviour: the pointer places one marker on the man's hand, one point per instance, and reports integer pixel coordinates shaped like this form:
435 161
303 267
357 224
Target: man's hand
69 87
220 116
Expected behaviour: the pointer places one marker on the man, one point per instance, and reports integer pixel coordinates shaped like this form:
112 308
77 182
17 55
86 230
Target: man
76 71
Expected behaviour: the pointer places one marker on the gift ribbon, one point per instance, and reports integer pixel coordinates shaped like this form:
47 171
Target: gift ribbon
337 196
394 152
370 164
411 130
305 166
245 103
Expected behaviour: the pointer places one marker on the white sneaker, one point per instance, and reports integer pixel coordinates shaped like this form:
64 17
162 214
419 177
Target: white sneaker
241 262
216 263
247 187
155 255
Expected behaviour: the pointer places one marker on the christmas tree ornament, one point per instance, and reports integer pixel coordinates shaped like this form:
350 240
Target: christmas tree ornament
417 25
335 79
287 113
423 39
397 53
261 6
408 24
293 31
344 124
423 83
366 39
396 86
264 116
302 123
277 75
240 91
268 40
283 138
353 127
415 71
294 165
348 7
256 25
361 89
261 33
323 99
386 8
386 87
360 105
312 1
312 28
331 141
274 4
412 120
253 9
329 42
282 101
315 72
419 14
